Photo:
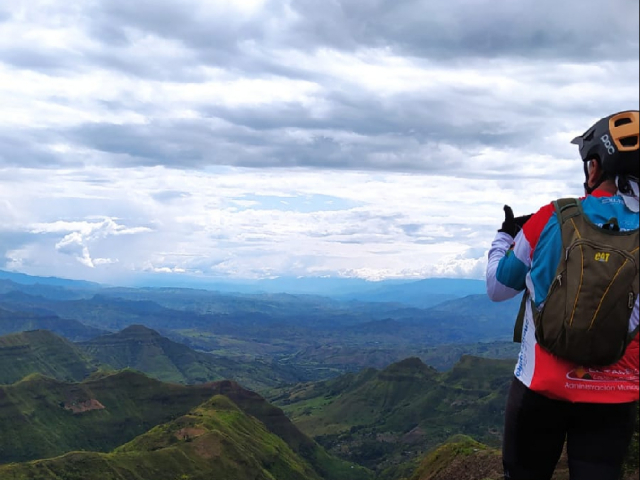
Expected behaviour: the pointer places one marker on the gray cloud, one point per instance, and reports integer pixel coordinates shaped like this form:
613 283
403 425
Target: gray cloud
417 130
10 240
443 30
364 101
411 136
487 28
193 144
577 30
30 148
42 59
169 195
430 29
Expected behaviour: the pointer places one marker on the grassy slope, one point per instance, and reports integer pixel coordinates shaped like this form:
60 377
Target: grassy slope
216 440
384 418
462 458
277 422
144 349
38 412
13 322
48 418
41 351
404 394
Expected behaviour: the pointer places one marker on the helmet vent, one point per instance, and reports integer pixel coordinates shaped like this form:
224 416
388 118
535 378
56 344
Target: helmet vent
629 141
622 121
588 137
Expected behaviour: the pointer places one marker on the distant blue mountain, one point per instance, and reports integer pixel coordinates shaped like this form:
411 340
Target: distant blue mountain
24 279
325 286
416 293
421 293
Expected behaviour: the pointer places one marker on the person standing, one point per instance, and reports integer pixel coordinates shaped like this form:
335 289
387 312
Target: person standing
552 399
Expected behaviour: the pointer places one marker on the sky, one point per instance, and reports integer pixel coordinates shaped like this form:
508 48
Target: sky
251 139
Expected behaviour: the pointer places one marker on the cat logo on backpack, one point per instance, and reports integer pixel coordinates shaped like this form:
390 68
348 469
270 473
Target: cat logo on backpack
602 257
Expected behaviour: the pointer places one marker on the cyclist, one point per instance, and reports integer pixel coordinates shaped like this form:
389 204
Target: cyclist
551 399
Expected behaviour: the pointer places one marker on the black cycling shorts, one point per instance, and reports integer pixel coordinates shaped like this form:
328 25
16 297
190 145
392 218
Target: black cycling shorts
536 427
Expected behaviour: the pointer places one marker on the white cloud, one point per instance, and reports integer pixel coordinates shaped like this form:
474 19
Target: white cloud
401 225
73 244
265 138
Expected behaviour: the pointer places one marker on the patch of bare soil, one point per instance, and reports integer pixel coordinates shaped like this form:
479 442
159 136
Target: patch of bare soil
82 406
632 476
479 466
189 433
416 435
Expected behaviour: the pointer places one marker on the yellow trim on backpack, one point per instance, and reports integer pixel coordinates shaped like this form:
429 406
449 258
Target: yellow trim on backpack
575 303
607 291
576 228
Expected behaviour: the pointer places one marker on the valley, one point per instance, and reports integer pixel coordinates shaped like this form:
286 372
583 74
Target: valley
118 383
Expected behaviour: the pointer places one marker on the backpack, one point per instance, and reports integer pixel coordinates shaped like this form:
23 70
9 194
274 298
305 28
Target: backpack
585 317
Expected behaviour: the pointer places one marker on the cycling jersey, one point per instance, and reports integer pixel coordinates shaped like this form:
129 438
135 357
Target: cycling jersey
529 261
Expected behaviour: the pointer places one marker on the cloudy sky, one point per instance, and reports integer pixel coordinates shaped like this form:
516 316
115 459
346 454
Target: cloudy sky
260 138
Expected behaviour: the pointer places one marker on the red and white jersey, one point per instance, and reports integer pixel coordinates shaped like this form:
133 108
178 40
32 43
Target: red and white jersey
529 261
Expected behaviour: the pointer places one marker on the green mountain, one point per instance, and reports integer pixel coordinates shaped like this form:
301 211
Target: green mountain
143 349
278 423
444 357
41 351
216 440
315 337
461 457
24 279
390 418
153 430
420 293
19 321
47 417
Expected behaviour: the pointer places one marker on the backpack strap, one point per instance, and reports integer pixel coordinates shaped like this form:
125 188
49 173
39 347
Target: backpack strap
567 208
517 328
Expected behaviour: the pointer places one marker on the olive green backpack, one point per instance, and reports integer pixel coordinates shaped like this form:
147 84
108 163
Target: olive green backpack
585 317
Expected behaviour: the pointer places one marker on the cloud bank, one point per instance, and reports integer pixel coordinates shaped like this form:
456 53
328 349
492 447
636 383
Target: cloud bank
263 138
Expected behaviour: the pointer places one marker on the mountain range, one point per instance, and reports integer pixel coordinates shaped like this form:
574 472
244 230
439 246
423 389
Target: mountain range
122 424
387 418
309 336
153 430
102 382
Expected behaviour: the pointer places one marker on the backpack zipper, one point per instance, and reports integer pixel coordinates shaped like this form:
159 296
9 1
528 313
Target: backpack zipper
584 241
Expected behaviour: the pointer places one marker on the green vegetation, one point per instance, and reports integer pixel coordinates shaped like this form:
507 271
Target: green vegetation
391 419
47 417
173 431
631 465
13 322
290 337
463 457
143 349
445 357
216 440
41 351
383 419
459 456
